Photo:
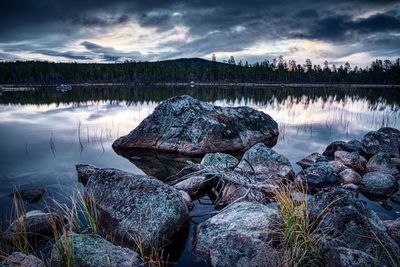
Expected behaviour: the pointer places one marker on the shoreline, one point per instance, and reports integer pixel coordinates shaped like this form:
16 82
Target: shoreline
28 87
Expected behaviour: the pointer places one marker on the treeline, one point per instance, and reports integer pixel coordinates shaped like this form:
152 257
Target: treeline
198 70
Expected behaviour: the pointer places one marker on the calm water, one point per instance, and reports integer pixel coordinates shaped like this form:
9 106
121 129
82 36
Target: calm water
43 133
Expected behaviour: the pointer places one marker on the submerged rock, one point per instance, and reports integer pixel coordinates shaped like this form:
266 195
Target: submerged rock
352 160
378 184
94 251
220 160
346 222
186 125
36 224
135 207
311 160
239 236
384 140
23 260
30 195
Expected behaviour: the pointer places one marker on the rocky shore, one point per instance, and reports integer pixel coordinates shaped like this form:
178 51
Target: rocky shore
264 214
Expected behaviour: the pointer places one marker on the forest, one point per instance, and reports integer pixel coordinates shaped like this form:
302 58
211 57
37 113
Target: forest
198 70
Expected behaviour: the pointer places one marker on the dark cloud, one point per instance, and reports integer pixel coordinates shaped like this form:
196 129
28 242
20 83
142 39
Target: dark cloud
41 26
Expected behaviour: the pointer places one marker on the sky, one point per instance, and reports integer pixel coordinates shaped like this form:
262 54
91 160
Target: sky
357 31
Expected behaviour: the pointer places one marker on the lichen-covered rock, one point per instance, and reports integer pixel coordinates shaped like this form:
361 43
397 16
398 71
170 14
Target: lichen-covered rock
23 260
393 228
94 251
347 222
330 150
384 140
349 176
311 160
352 160
186 125
220 160
261 160
320 175
378 184
239 236
36 224
382 162
135 207
344 257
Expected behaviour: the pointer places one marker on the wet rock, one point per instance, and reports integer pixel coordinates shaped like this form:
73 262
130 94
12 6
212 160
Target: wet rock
393 228
349 176
261 160
352 160
35 223
330 150
347 222
186 125
378 184
220 160
239 236
382 162
311 160
135 207
94 251
384 140
320 175
395 197
30 195
188 200
343 257
23 260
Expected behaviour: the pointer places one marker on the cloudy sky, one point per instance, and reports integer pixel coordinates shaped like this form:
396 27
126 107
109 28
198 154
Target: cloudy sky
357 31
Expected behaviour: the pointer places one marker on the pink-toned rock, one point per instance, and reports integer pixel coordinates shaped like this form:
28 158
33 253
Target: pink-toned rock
352 160
349 176
186 125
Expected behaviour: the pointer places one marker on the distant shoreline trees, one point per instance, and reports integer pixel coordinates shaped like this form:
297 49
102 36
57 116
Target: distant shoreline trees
199 70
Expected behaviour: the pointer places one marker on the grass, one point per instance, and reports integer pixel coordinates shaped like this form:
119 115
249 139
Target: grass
299 239
151 257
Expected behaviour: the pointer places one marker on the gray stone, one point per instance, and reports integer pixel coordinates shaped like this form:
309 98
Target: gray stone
186 125
311 160
347 222
352 160
378 184
344 257
393 228
22 260
94 251
349 176
220 160
384 140
382 162
320 175
194 185
135 207
239 236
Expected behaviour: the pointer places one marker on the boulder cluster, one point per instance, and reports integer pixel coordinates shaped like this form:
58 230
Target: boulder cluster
137 213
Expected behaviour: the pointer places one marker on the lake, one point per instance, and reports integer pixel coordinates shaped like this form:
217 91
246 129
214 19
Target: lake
45 133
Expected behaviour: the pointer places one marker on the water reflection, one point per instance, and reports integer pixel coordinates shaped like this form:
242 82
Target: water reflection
44 133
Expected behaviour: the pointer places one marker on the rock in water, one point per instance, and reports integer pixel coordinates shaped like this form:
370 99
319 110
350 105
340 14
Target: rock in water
133 207
382 162
20 259
378 184
311 160
239 236
320 175
30 195
346 222
330 150
386 140
186 125
352 160
94 251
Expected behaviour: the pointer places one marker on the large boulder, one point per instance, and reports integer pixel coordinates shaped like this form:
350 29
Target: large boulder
240 235
377 184
186 125
382 162
346 222
23 260
92 251
135 207
386 140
